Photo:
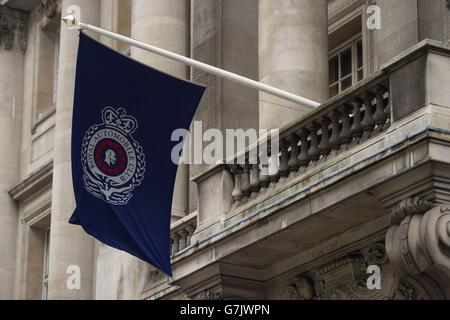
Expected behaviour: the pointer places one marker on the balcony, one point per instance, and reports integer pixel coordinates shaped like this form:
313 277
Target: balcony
348 174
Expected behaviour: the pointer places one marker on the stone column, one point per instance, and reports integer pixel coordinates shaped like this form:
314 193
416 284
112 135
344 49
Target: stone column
293 56
12 46
165 23
69 245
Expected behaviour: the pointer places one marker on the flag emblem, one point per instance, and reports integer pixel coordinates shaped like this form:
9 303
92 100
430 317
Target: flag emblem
113 161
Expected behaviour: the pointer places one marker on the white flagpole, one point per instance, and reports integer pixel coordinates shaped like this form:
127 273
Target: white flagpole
72 23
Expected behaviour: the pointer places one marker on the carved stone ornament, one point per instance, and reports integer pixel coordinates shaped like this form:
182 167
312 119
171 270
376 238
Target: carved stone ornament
409 206
302 288
13 28
208 295
418 288
50 8
421 242
346 279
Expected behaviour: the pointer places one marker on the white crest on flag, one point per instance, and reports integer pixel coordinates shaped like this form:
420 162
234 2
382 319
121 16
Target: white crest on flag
113 161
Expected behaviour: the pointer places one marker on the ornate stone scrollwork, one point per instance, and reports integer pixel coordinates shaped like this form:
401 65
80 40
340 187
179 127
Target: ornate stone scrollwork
346 278
13 25
421 241
215 294
302 288
409 206
208 295
414 261
410 289
50 8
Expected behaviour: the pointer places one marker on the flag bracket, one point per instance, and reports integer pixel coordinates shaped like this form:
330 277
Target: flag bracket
72 23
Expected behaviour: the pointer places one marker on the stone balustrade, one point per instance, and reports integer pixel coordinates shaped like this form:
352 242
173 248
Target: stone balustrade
323 210
342 123
181 233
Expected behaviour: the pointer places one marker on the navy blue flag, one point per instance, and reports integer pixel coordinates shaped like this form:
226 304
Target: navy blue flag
123 175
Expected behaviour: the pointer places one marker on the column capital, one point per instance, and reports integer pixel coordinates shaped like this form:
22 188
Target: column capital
13 28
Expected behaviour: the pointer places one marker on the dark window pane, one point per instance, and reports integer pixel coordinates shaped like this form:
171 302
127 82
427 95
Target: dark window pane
359 50
346 62
334 90
360 75
347 83
334 71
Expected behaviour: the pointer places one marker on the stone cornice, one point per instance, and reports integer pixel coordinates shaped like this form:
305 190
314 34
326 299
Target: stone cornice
13 28
32 184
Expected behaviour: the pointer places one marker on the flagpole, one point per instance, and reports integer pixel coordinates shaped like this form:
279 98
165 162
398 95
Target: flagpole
72 23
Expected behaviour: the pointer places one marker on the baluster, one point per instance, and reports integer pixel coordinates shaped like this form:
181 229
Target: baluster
303 158
254 179
356 129
237 193
314 152
246 190
346 134
325 147
335 141
264 177
380 116
294 163
176 244
368 124
274 167
190 230
387 111
284 159
183 239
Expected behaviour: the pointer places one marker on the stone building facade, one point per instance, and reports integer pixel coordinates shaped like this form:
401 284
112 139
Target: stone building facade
362 181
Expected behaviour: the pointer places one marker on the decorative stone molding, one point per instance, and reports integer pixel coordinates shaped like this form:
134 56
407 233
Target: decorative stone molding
301 289
346 278
411 289
13 28
49 8
408 207
420 241
208 295
215 293
414 261
34 184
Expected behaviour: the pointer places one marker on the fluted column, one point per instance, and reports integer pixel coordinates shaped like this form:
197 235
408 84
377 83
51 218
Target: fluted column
293 56
165 23
69 245
12 35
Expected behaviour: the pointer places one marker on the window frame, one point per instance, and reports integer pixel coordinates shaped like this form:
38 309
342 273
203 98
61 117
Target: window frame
49 29
352 44
45 264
